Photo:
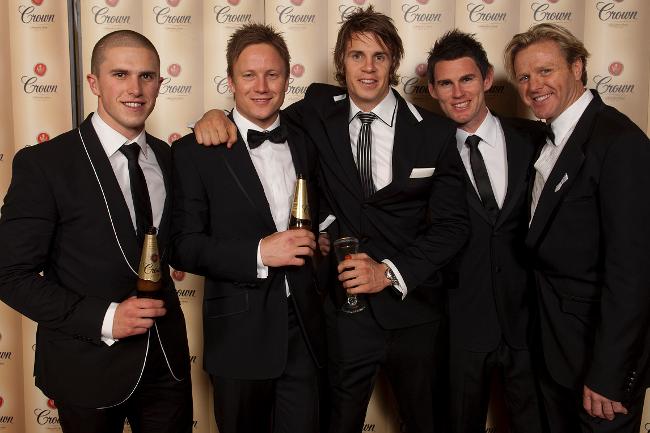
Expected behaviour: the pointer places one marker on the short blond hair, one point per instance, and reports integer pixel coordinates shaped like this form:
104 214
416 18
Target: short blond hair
572 47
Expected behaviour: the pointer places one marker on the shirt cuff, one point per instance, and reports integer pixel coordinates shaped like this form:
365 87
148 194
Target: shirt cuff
262 269
326 223
401 287
107 324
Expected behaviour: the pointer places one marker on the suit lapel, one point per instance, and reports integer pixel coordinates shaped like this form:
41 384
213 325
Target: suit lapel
474 200
405 148
518 164
163 156
337 129
239 163
119 212
295 140
568 164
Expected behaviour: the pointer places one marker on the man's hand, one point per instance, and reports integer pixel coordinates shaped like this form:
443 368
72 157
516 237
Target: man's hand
287 248
324 243
361 274
600 406
135 315
215 128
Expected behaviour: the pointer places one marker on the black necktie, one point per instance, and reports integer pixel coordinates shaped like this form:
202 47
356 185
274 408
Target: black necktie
139 191
481 177
364 153
549 132
255 138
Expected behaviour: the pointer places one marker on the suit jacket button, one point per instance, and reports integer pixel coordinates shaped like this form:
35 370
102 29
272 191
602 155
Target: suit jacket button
498 269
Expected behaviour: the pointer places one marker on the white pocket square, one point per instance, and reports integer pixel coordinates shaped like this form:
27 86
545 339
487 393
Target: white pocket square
559 185
422 172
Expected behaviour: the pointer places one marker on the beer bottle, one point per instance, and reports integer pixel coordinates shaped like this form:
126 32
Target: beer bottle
299 217
149 282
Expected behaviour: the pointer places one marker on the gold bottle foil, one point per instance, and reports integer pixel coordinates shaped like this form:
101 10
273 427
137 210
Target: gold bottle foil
300 205
149 269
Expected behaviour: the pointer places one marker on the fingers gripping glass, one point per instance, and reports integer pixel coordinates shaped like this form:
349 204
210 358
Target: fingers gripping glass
343 248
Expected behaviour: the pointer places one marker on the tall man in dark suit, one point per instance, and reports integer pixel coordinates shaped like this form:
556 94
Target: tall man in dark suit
490 297
262 318
75 211
393 178
589 235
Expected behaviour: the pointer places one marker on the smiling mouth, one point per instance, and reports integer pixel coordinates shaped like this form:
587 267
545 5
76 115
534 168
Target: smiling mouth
368 81
461 105
541 98
133 104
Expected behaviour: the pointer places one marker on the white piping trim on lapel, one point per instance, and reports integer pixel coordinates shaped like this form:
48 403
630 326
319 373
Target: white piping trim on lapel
414 111
338 98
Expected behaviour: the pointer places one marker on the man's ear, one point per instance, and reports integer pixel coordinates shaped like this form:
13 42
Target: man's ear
432 91
92 82
489 79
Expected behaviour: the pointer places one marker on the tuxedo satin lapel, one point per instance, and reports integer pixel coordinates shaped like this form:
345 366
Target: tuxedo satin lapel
241 167
116 202
337 126
163 156
295 140
405 148
518 163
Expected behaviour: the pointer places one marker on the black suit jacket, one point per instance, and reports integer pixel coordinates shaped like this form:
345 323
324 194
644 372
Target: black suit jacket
55 220
490 292
590 237
418 223
220 213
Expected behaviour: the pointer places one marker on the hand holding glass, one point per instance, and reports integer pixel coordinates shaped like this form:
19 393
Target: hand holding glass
344 248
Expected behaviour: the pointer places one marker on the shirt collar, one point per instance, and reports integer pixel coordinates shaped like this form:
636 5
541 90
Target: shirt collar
567 120
243 124
487 131
112 140
385 110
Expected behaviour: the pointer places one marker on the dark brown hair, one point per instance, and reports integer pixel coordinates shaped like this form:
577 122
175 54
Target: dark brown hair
375 24
251 34
454 45
118 38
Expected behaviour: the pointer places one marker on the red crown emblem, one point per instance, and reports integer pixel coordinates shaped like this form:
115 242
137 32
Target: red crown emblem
360 2
40 69
51 404
178 275
615 68
421 70
489 2
423 2
37 2
173 137
296 2
233 2
297 70
174 69
1 401
112 3
43 136
173 3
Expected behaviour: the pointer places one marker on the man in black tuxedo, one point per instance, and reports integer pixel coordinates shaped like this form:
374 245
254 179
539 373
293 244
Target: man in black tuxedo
489 294
589 236
263 322
76 210
393 178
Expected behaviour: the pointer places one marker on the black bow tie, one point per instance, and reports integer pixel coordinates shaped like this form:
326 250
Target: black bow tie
549 132
255 138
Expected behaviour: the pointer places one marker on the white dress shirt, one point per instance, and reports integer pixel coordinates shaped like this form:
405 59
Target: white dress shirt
562 127
493 149
111 141
383 137
276 172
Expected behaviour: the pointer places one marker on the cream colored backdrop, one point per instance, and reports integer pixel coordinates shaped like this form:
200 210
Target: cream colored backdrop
191 37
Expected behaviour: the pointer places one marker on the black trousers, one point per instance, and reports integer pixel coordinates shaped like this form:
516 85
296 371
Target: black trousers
470 375
566 414
287 404
414 360
159 404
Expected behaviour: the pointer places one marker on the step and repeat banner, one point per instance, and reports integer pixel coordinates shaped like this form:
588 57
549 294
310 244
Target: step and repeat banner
38 39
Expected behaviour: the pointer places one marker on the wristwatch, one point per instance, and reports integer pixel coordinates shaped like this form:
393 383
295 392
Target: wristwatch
390 275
